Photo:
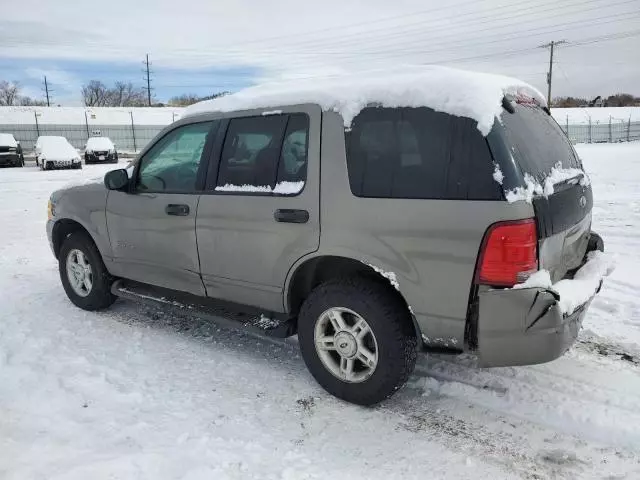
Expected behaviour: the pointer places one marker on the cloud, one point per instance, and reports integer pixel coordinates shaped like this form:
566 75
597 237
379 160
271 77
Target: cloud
286 38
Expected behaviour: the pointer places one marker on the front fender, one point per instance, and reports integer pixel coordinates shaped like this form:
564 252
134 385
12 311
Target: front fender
86 205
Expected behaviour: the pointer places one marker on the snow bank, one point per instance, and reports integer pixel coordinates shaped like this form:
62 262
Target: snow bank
7 140
94 115
581 116
578 290
461 93
282 188
99 144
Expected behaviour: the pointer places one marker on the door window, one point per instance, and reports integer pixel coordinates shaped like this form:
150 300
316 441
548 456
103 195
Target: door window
172 164
266 154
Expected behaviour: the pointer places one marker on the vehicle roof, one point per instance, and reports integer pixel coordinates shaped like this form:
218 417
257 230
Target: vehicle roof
7 139
458 92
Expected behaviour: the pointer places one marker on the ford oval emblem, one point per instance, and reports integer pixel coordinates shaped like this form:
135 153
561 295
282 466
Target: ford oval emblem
583 201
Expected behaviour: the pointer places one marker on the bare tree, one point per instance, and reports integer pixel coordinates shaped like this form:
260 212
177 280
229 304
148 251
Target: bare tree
31 102
191 98
9 93
94 94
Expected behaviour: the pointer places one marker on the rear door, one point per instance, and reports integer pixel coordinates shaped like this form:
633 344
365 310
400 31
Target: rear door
540 149
152 226
260 209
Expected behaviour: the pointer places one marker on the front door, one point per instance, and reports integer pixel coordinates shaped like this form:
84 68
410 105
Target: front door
259 212
152 227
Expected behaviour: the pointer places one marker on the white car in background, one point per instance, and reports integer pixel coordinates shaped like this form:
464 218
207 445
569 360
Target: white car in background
100 150
56 152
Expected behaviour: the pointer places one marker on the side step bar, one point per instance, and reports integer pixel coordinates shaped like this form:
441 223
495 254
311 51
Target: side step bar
226 314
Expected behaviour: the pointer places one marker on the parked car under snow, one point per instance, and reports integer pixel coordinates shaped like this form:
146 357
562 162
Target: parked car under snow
10 151
56 152
100 150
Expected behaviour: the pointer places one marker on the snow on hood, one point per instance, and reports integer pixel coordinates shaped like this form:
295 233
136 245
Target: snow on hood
99 143
7 140
458 92
54 148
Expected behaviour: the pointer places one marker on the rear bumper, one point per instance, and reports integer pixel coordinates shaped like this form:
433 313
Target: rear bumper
527 326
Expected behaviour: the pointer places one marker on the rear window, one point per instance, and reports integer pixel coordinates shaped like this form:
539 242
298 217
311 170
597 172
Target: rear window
536 141
418 153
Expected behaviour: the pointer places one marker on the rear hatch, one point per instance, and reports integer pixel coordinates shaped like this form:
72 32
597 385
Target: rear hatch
540 152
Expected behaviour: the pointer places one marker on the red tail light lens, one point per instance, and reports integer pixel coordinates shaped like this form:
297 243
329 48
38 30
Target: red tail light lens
509 253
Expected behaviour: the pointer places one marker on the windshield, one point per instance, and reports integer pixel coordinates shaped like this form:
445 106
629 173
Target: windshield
536 141
99 143
7 140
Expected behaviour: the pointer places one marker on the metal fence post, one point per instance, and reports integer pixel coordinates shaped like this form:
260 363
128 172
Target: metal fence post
610 136
133 132
86 122
35 115
589 128
628 127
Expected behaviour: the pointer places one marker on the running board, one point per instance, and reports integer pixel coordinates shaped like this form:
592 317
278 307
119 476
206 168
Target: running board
226 314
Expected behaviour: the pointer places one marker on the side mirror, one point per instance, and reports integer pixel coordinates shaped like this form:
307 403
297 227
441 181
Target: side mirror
116 179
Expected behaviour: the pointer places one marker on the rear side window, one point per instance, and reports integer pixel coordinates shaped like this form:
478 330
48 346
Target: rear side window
536 141
266 154
418 153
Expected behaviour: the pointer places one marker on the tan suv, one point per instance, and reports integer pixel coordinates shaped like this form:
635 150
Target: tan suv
372 218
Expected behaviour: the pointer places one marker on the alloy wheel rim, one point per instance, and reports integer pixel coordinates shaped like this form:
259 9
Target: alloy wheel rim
79 272
346 345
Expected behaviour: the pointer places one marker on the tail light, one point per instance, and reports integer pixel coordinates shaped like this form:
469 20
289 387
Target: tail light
509 253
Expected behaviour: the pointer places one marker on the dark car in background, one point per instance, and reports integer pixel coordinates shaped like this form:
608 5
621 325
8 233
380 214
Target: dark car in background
10 151
100 150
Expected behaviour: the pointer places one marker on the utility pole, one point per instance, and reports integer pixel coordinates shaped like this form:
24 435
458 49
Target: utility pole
550 46
148 79
46 90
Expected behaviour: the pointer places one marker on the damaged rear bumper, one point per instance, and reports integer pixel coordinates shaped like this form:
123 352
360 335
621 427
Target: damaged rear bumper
526 326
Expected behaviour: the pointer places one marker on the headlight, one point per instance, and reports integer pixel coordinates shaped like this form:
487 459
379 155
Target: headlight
90 152
51 210
76 159
112 151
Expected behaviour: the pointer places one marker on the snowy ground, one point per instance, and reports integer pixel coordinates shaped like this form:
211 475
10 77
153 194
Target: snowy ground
135 393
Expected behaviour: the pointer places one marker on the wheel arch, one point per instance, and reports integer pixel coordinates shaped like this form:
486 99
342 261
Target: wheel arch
62 229
311 272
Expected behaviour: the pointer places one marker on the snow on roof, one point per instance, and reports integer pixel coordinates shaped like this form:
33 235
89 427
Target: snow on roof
56 148
458 92
7 140
99 143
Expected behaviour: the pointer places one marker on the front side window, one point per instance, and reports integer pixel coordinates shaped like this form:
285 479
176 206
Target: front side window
266 154
172 164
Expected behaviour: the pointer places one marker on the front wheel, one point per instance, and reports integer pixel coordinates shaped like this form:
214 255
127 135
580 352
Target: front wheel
84 276
357 339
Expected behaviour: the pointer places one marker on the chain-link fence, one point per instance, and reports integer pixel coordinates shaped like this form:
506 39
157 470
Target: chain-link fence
127 138
133 137
613 131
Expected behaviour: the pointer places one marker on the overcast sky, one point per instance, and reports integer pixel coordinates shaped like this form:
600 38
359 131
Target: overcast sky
208 46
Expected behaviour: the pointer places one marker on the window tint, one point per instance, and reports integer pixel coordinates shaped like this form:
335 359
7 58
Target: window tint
263 152
418 153
536 141
172 164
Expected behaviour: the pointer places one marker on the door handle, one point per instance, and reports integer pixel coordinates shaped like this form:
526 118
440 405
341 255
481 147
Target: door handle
177 210
287 215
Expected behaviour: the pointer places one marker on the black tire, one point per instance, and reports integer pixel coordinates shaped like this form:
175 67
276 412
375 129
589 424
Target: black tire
391 323
100 296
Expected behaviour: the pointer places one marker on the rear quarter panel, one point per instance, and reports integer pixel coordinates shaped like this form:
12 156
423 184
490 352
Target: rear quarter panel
430 245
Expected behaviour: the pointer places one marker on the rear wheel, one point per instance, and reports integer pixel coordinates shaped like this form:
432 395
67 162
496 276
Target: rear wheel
84 277
357 339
